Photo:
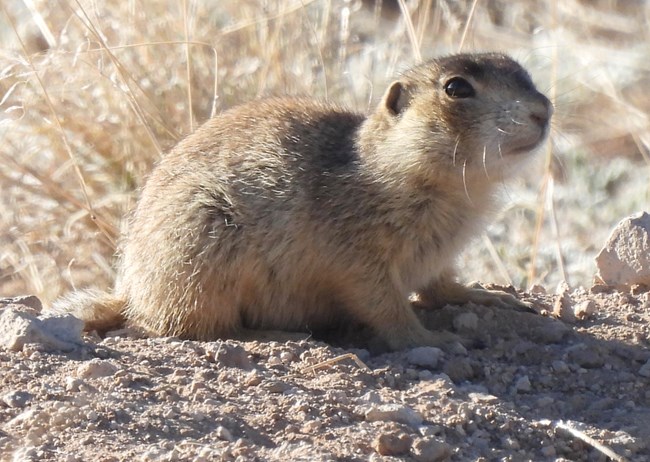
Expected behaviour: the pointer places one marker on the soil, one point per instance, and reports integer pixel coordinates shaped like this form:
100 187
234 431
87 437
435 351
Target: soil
527 386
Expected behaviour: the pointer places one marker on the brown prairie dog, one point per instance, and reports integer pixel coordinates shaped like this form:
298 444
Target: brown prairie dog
295 215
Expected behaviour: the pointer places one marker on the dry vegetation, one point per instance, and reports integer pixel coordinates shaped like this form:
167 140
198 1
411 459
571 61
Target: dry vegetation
92 93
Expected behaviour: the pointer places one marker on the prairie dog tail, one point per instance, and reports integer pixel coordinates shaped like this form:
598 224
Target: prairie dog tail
98 310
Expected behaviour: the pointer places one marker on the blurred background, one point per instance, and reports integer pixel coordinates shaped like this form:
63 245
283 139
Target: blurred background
93 93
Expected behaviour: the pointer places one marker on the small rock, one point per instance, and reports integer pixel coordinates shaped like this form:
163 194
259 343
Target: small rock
223 433
550 331
645 369
509 442
372 397
424 356
253 379
29 301
276 386
466 322
560 366
56 333
584 356
584 309
17 398
523 384
393 413
562 304
478 397
544 402
392 444
287 357
73 384
96 368
548 451
64 327
429 449
231 355
625 259
459 369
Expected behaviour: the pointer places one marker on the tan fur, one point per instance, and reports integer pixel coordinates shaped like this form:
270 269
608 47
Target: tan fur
290 214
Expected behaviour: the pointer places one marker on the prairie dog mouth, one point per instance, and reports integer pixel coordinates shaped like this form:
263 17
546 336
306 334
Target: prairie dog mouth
532 131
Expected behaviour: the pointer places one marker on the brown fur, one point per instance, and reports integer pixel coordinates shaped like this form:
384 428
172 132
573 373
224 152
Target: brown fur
290 214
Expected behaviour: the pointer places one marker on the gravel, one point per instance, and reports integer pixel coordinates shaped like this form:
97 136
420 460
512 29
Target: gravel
528 387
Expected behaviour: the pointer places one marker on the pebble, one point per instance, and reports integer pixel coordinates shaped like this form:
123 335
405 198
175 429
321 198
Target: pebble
523 384
560 366
585 356
29 301
223 433
584 309
625 258
56 333
276 386
431 450
96 368
510 442
229 355
550 331
544 402
548 451
253 379
395 443
424 357
459 369
288 357
562 307
480 397
466 321
393 413
17 399
645 369
371 397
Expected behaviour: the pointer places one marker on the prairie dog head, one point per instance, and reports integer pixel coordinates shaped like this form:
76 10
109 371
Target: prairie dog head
470 114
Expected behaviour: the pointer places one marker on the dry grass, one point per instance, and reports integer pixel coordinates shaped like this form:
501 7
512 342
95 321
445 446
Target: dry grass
92 93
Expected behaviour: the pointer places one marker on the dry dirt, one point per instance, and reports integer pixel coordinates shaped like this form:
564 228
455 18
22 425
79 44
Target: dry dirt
529 387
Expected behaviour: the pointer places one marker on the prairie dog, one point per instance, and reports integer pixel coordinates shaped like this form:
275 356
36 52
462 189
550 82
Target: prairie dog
296 215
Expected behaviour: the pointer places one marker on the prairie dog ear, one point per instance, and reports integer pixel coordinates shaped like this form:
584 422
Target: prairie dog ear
396 98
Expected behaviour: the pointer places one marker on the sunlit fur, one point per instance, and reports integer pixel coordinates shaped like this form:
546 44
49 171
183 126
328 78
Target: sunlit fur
297 215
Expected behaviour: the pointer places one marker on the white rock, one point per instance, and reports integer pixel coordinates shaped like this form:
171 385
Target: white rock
424 356
393 413
223 433
584 309
18 328
96 368
466 321
231 355
17 398
372 397
431 450
625 259
29 303
65 327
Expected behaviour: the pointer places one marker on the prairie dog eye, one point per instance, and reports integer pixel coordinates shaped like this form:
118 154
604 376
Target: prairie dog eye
458 87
